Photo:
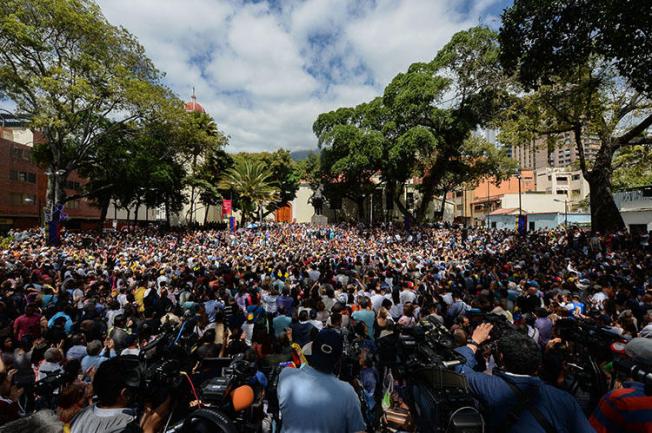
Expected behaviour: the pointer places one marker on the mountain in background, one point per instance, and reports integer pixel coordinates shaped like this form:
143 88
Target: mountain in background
300 155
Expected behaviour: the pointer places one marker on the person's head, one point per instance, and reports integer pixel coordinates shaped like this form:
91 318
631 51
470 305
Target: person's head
94 348
519 354
327 350
303 315
53 355
110 383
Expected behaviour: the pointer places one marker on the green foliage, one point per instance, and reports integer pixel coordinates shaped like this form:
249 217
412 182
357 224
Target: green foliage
632 167
587 65
542 39
76 77
252 182
421 126
285 174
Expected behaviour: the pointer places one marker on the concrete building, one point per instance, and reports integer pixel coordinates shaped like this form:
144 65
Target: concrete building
636 208
23 184
563 181
541 153
506 219
473 206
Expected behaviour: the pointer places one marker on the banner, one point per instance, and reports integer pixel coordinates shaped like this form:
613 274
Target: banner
232 224
522 225
226 207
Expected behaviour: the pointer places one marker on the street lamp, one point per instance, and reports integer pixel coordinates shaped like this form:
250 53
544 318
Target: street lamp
520 203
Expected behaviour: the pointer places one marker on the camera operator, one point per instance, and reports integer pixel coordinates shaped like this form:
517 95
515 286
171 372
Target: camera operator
516 399
627 409
113 412
313 399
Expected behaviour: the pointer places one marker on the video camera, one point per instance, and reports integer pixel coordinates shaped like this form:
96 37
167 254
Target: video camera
438 397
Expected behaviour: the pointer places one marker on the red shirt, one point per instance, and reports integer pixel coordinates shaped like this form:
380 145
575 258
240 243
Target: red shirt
27 325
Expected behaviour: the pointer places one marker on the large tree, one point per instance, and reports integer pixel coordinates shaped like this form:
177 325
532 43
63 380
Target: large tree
421 125
588 64
68 70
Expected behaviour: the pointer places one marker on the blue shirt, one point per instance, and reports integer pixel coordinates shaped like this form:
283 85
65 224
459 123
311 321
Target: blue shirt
557 406
368 317
316 402
280 323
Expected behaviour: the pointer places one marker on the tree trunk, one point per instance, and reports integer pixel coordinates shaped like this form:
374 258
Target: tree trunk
360 208
136 213
429 184
395 193
206 213
167 213
442 209
605 217
104 210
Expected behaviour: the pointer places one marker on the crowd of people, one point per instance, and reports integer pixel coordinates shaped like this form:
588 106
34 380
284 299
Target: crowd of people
81 308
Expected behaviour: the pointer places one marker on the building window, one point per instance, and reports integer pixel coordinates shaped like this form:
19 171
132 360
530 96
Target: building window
459 193
561 191
73 204
16 152
18 199
22 176
576 177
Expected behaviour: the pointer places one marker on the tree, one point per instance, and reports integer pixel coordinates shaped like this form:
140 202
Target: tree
211 170
421 124
541 39
251 181
285 175
350 154
584 83
203 139
632 167
68 70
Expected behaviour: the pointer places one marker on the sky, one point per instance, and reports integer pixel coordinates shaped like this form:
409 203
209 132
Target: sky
266 69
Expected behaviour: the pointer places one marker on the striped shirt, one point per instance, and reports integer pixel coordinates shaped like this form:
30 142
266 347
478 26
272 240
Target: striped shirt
626 410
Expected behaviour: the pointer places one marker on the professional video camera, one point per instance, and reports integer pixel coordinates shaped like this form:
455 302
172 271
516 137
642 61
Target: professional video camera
226 400
228 403
629 368
589 345
438 397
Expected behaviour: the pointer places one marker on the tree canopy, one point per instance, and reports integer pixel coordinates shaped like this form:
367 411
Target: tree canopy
582 83
421 126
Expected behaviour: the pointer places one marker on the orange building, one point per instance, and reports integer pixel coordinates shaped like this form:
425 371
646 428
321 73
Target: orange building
473 206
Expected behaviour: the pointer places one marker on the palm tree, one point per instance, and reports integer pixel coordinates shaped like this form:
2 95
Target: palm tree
251 182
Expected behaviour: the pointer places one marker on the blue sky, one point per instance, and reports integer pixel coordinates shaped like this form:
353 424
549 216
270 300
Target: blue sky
264 69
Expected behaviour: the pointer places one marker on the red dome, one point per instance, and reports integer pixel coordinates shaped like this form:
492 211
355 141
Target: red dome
194 106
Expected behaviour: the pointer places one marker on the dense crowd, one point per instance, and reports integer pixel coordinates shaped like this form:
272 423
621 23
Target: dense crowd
79 308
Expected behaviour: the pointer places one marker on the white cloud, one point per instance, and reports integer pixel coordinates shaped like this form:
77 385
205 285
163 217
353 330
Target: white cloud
265 70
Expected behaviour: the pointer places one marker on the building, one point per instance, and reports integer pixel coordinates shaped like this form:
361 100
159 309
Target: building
377 207
543 210
636 208
506 219
23 184
541 153
564 181
473 206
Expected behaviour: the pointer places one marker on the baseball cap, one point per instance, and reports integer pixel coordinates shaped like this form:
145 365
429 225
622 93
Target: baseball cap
326 350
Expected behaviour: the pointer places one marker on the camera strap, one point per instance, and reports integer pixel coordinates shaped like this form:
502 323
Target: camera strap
525 402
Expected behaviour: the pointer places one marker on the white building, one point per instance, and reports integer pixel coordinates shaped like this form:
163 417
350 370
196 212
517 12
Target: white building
636 208
563 181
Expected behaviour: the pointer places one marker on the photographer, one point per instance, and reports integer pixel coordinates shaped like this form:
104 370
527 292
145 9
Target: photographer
516 399
628 408
113 412
313 399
